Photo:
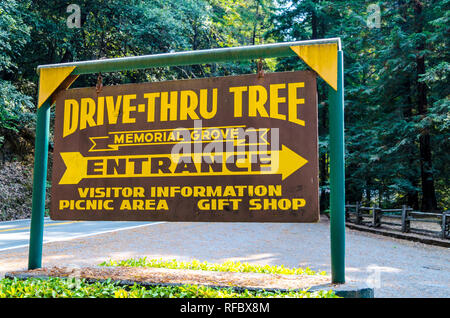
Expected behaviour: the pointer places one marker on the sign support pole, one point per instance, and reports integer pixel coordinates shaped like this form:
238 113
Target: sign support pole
337 177
39 186
336 98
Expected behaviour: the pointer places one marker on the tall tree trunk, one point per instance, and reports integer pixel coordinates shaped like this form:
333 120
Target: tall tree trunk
314 23
429 202
368 192
255 26
412 196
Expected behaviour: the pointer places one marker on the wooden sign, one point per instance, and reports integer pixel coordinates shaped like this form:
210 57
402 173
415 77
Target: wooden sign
223 149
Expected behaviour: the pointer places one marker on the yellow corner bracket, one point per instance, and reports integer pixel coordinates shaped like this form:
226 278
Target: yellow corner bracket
52 80
322 58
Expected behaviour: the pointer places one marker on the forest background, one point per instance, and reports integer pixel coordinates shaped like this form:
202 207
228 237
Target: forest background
397 110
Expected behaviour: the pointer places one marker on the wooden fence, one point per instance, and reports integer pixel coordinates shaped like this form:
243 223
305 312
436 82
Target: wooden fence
405 218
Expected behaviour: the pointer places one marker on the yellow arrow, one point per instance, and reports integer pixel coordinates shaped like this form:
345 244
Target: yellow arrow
284 162
289 162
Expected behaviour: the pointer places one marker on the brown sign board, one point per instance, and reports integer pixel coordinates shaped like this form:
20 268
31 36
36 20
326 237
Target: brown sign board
222 149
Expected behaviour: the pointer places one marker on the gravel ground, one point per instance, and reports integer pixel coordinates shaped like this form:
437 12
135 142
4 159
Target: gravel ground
394 268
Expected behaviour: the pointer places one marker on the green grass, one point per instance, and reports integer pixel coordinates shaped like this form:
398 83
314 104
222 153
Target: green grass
80 288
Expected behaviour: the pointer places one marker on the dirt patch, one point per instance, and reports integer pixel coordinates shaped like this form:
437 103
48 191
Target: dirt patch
163 276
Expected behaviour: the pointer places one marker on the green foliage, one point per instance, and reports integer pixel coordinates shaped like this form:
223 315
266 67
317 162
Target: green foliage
228 266
79 288
15 108
14 33
396 76
386 155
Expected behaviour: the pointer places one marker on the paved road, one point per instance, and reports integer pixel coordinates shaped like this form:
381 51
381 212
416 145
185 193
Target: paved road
15 234
395 268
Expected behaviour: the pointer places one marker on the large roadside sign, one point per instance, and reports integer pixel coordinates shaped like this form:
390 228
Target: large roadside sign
223 149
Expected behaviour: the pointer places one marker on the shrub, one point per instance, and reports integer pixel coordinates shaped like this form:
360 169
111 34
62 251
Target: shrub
78 288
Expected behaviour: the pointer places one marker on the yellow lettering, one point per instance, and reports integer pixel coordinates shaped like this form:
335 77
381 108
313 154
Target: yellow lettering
127 109
275 100
162 205
255 204
257 98
71 110
204 104
203 204
125 205
113 108
151 97
294 102
63 204
298 203
188 105
237 91
87 113
167 106
100 110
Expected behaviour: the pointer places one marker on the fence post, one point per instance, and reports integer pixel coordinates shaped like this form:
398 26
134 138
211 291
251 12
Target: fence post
445 225
405 220
358 214
376 217
380 215
347 213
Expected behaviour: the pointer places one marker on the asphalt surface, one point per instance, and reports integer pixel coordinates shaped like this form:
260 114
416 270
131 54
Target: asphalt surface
393 267
14 234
